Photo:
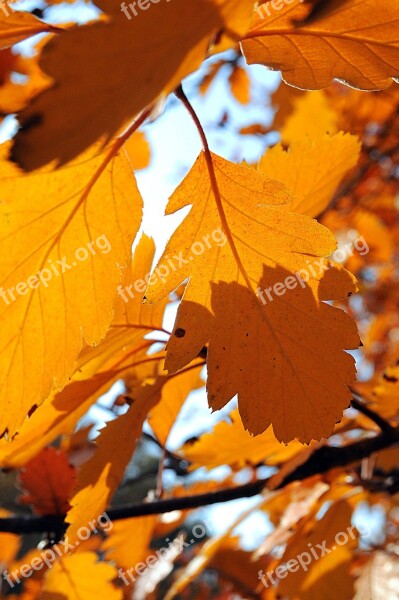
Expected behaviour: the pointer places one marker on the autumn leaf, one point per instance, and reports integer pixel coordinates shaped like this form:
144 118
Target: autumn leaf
230 444
210 76
62 235
299 347
328 574
385 395
117 80
312 169
9 543
17 26
240 85
57 415
13 95
81 576
139 150
97 367
100 476
311 116
118 545
355 42
174 393
47 480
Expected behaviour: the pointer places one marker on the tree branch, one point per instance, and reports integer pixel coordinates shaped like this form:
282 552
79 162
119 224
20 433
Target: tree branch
373 416
321 461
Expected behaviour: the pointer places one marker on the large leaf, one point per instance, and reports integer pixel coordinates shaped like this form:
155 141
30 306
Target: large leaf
79 576
355 41
75 227
97 367
312 168
100 86
283 357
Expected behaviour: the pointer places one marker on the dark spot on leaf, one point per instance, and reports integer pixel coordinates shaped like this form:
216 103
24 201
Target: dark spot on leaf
390 378
179 333
33 121
32 410
38 12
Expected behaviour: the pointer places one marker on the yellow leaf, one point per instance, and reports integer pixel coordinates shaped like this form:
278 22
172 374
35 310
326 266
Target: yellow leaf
385 395
56 416
118 546
240 85
204 556
15 96
311 116
9 544
209 77
81 576
132 320
139 150
284 357
312 169
230 444
355 42
327 574
100 87
174 394
65 238
97 368
17 26
100 476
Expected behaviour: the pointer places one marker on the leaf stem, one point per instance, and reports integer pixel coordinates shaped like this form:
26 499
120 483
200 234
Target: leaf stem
179 93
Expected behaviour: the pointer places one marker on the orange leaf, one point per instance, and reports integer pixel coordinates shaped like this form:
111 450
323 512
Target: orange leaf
284 357
16 26
65 238
48 481
353 41
81 576
99 87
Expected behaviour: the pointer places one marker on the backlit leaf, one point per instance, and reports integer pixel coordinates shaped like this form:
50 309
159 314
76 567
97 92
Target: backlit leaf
350 40
75 227
283 357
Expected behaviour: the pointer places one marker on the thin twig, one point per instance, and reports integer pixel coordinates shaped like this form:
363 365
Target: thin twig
321 461
373 416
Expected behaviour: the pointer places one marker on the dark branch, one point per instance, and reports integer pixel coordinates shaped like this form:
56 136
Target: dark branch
373 416
321 461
